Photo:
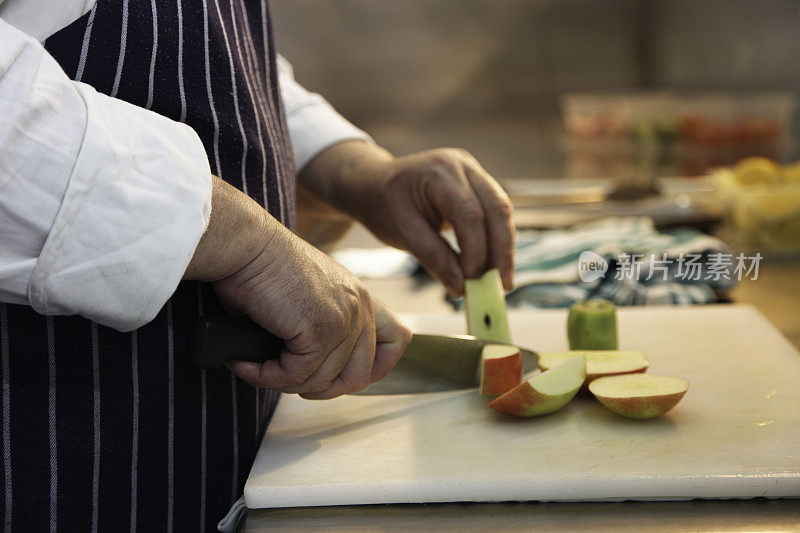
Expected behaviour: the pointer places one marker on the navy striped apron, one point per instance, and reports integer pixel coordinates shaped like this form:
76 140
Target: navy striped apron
109 431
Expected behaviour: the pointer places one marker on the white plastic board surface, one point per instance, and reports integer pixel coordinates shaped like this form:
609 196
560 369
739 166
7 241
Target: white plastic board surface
736 434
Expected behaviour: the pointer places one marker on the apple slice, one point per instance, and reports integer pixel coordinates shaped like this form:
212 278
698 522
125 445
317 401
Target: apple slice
639 395
500 369
485 303
592 325
599 363
544 393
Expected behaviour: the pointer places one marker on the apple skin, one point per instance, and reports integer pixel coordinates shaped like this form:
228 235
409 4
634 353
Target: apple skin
592 325
501 375
531 397
642 408
523 400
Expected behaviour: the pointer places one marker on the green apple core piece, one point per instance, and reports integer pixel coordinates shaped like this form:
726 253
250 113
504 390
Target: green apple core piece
592 325
639 395
599 362
485 304
544 393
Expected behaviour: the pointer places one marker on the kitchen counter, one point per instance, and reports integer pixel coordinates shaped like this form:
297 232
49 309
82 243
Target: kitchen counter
775 293
698 515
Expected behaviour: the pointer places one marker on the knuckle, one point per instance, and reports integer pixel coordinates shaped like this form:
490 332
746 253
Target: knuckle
473 214
321 386
297 380
305 368
503 206
442 163
405 331
334 319
459 153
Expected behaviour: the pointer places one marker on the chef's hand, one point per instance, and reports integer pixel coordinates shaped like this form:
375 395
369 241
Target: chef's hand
338 338
408 201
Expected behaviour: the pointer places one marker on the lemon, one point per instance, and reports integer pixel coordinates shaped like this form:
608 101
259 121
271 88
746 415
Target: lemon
791 173
774 207
752 170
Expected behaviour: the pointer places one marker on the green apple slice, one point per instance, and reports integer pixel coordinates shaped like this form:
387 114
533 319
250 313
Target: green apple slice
544 393
592 325
485 304
599 363
639 395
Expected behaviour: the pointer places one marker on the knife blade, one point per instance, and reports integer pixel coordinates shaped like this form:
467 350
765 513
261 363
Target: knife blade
430 363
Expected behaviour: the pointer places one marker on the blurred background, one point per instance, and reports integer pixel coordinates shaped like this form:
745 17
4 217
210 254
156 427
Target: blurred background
680 113
495 77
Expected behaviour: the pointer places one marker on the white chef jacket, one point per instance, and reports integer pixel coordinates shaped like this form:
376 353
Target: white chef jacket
87 225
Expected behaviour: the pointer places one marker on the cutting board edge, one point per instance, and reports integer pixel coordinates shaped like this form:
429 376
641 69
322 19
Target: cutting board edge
598 490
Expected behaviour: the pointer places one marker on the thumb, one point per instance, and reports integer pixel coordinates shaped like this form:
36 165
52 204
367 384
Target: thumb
392 337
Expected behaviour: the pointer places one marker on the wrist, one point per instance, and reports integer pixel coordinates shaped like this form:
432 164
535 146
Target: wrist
347 174
239 230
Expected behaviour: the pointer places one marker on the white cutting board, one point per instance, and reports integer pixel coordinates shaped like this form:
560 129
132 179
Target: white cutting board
736 434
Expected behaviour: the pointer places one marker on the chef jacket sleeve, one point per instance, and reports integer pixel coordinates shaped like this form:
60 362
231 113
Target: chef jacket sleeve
313 123
102 203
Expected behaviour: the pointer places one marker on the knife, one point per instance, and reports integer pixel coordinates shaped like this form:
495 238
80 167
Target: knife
430 363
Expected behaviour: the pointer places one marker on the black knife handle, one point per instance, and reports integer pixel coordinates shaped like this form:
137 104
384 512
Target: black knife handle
216 340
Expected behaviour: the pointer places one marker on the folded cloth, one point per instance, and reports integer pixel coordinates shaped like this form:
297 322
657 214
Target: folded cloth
640 266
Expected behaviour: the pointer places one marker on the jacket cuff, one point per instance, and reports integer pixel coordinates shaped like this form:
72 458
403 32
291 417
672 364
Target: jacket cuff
137 203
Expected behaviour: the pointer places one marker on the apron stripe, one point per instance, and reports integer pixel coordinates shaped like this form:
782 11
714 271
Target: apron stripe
235 94
271 110
151 78
85 46
203 429
203 421
6 392
235 441
135 427
262 106
51 417
217 166
271 83
122 48
253 102
96 427
181 89
170 419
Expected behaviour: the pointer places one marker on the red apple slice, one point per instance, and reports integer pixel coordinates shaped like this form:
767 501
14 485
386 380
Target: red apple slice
500 369
639 395
544 393
599 363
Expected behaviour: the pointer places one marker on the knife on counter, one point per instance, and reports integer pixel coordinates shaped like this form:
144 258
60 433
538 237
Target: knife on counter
430 363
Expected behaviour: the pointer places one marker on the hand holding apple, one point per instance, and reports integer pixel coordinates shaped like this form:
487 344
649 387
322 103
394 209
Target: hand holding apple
407 201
